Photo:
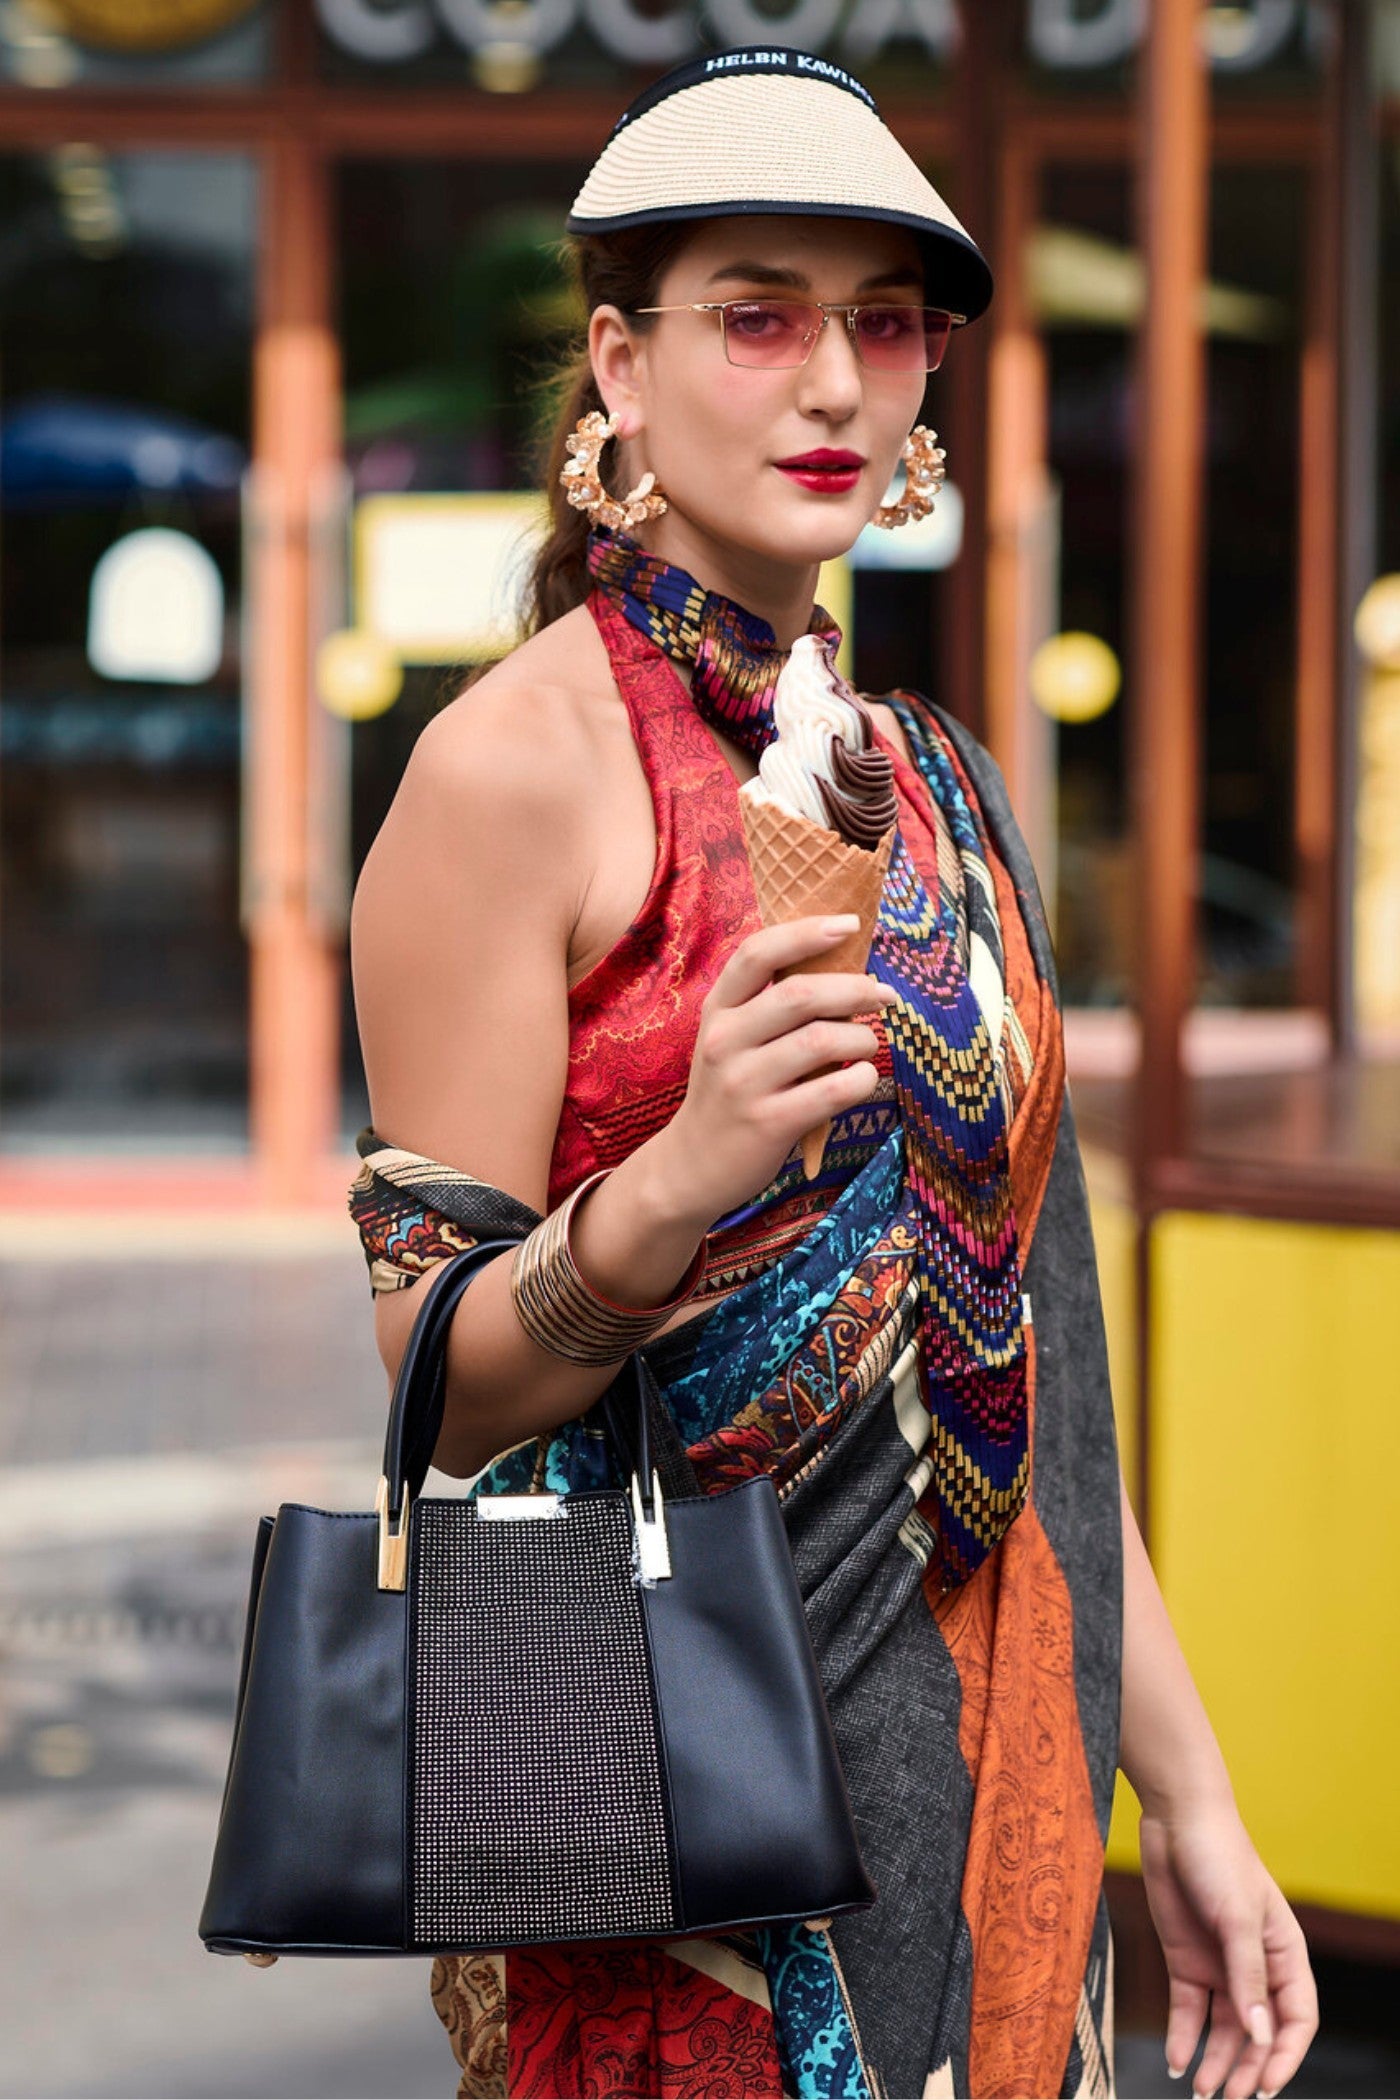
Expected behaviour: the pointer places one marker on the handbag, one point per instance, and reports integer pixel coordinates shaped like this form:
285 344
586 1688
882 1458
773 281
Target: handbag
500 1720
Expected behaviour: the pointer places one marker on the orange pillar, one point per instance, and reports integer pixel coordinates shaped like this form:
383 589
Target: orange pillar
1168 444
295 970
1017 497
1163 726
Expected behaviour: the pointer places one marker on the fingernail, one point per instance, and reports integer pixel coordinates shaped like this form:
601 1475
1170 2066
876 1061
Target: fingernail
844 922
1258 2024
1174 2070
1272 2094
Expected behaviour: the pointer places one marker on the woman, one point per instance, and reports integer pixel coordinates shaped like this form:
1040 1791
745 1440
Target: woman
586 1002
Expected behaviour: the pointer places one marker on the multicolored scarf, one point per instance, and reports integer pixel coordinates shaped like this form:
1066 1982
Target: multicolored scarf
946 1043
735 654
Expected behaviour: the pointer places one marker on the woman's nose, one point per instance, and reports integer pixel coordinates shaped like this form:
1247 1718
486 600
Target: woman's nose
832 373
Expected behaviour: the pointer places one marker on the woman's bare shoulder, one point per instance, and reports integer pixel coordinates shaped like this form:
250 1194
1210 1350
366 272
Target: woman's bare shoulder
496 787
541 696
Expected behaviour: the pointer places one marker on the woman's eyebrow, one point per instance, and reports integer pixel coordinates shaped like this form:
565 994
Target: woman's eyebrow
779 273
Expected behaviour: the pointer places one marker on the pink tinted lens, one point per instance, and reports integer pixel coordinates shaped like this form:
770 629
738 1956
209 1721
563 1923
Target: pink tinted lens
903 338
759 332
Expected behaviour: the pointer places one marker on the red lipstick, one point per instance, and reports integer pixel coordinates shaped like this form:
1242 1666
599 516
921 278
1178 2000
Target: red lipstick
834 472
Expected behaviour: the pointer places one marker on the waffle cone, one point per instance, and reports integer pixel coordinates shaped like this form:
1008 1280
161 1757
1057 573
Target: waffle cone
801 867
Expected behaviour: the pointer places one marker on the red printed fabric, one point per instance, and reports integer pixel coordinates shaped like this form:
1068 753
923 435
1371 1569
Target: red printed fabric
678 2020
591 2020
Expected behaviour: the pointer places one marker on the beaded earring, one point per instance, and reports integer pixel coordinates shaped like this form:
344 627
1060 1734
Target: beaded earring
924 477
581 480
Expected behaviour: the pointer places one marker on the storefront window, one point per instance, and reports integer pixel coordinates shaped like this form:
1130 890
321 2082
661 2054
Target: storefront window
1249 573
1258 248
125 336
1086 256
1371 614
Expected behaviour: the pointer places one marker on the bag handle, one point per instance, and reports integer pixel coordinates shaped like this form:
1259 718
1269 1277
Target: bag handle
635 1418
420 1387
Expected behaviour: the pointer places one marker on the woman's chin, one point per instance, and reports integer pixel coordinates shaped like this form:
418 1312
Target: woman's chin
796 538
785 535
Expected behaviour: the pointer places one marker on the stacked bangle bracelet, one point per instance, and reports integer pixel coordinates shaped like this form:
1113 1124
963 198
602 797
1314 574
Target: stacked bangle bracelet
561 1311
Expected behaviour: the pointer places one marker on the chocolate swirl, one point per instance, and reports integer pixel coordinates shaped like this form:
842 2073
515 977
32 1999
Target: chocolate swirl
860 800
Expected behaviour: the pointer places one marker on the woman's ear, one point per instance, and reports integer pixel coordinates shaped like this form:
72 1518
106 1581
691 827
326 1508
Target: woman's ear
615 357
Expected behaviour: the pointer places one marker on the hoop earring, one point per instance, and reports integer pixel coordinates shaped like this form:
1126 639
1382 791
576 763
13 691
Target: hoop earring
580 477
924 477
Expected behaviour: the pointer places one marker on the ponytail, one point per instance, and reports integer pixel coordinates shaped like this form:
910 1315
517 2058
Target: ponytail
558 577
616 269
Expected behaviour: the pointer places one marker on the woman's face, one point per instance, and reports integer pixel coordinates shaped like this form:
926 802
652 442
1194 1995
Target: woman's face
713 432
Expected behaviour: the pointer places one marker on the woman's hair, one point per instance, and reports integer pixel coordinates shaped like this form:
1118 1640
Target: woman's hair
615 269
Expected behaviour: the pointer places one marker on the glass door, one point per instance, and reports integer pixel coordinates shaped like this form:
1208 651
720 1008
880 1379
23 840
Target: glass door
126 328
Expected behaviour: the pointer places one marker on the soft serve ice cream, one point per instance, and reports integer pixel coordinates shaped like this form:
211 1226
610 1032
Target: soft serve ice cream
820 818
824 763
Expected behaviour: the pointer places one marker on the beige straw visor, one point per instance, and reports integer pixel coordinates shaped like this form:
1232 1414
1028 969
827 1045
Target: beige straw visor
770 142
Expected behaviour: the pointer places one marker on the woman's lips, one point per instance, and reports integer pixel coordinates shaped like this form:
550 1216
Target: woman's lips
832 480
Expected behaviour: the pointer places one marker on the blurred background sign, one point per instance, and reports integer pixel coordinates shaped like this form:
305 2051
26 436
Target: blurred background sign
137 25
438 578
157 609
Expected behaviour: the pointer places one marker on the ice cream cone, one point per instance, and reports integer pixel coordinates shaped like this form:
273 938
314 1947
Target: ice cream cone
800 867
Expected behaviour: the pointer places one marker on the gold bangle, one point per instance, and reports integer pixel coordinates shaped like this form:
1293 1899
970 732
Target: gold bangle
560 1309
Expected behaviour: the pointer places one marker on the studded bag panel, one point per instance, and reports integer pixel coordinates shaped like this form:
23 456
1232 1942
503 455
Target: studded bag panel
532 1701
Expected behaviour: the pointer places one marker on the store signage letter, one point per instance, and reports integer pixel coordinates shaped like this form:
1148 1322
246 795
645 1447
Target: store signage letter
1063 35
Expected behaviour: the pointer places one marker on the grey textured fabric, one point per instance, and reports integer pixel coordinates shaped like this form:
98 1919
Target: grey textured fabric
1075 1487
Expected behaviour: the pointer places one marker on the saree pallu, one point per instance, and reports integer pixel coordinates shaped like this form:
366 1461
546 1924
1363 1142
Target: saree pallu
978 1727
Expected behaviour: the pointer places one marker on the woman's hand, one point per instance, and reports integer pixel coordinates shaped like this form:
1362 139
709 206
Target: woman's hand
752 1090
1233 1949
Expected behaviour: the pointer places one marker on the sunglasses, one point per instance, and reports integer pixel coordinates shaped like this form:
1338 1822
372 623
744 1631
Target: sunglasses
777 333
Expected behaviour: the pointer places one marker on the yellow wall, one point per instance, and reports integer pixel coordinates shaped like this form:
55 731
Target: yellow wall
1275 1456
1114 1225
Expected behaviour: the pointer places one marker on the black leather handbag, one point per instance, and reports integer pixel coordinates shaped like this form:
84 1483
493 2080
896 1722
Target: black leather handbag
496 1720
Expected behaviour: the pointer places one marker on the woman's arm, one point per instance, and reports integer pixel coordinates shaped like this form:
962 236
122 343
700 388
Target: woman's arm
1166 1746
1233 1948
459 937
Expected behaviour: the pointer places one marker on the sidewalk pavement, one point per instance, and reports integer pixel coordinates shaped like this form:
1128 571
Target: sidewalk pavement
150 1411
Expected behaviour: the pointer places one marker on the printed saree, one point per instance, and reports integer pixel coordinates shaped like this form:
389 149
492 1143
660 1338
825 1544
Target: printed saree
977 1724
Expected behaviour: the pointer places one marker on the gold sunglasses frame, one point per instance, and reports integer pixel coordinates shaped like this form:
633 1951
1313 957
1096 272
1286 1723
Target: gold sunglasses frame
826 307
